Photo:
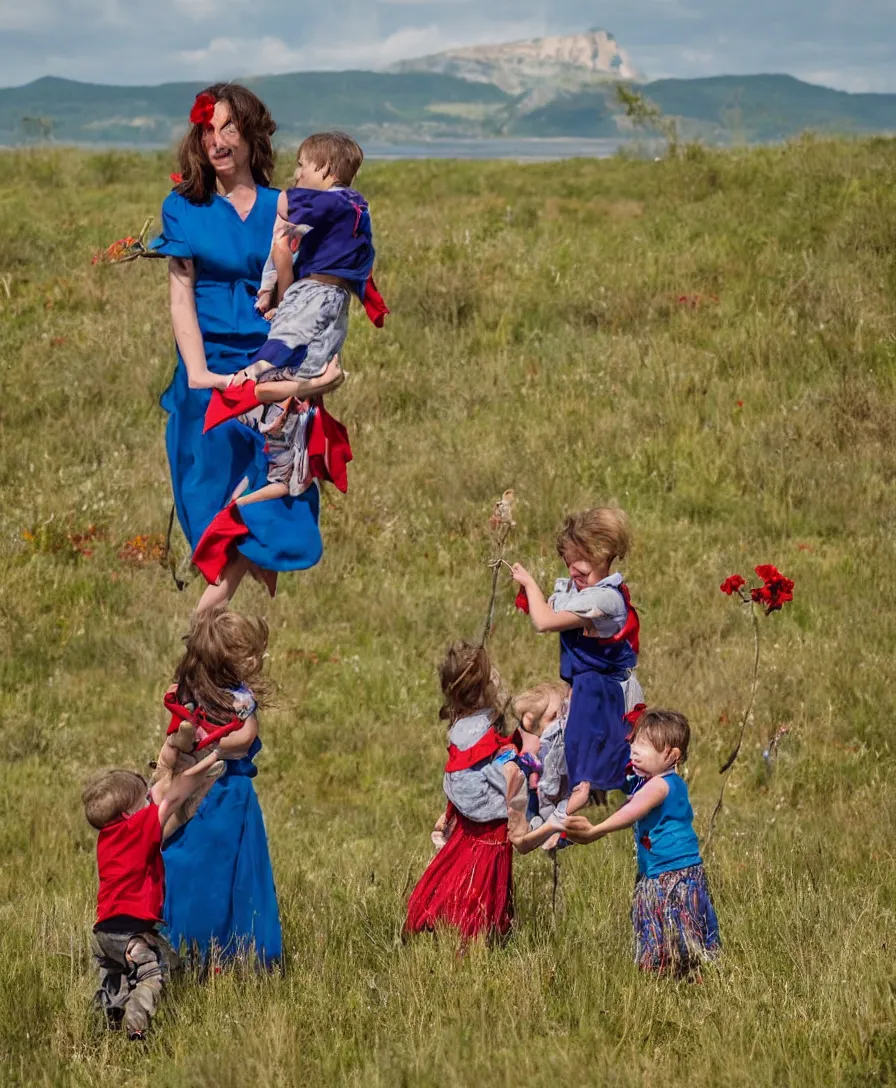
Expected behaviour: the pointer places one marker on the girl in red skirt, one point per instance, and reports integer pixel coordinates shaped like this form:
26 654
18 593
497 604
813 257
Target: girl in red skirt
469 883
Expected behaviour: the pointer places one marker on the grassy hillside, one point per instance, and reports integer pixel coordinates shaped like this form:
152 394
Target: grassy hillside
300 102
708 342
417 105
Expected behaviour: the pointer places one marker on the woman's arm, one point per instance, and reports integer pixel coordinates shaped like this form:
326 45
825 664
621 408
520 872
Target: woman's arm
236 744
651 794
543 617
182 295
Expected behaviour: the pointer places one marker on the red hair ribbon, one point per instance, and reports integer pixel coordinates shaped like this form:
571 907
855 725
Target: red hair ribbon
203 109
213 732
632 717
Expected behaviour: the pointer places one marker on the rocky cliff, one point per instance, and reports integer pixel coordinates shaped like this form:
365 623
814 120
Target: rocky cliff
564 63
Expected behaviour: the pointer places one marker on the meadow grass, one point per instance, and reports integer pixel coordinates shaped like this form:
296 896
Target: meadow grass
708 342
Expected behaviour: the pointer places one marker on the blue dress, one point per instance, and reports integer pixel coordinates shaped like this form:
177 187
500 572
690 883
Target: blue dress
219 887
228 255
596 734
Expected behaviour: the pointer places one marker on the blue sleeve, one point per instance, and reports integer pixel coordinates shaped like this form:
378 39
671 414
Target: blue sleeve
172 242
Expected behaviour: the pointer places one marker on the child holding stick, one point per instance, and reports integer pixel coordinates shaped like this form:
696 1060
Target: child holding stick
599 643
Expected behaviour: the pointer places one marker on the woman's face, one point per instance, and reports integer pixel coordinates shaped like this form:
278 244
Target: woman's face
226 149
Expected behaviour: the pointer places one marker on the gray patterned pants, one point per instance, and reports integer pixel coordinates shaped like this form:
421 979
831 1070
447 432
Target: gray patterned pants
312 315
133 968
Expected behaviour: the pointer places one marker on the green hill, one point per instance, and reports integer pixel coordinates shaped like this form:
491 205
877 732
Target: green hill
301 102
420 105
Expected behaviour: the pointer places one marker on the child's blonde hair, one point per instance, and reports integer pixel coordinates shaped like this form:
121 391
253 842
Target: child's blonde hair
602 533
664 729
224 651
336 152
535 701
469 681
109 794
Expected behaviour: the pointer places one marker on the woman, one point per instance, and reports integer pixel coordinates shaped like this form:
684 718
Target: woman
216 230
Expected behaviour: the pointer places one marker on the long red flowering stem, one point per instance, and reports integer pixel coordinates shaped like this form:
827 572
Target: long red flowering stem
754 684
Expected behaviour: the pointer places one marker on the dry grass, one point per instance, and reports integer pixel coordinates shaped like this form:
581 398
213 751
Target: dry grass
539 340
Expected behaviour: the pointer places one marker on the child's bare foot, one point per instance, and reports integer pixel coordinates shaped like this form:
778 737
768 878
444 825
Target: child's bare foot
185 737
269 392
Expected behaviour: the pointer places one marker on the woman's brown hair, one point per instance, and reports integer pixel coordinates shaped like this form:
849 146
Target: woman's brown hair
469 683
224 651
256 126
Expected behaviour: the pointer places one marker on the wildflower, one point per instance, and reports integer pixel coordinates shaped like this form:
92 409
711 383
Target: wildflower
733 584
176 179
203 109
775 591
522 601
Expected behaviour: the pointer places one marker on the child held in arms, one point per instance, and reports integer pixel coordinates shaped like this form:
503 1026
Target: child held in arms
133 819
321 254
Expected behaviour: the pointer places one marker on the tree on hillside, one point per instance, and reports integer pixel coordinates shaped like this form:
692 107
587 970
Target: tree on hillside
38 128
646 114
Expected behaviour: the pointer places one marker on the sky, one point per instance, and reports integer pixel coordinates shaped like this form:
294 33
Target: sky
847 44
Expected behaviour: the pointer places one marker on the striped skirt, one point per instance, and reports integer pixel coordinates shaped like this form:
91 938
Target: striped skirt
676 929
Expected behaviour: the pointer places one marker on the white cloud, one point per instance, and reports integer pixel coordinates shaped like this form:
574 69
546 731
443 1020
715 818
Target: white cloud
847 43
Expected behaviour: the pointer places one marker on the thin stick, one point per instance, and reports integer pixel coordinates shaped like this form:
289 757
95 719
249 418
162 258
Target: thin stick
729 762
501 541
555 883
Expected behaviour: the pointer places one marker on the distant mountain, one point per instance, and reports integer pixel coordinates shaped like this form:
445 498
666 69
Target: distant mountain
562 63
418 105
550 87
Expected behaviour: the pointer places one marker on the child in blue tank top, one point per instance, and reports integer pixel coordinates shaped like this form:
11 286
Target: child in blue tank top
676 929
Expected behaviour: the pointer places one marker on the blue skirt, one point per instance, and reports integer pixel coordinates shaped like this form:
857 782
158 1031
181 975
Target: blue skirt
206 469
675 923
219 886
596 734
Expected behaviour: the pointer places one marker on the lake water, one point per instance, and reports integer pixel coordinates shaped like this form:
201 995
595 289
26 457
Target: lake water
533 150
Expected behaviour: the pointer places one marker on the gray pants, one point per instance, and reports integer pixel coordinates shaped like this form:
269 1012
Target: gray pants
312 315
133 968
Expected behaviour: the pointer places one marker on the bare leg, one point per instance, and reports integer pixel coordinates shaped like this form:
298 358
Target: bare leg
269 491
302 388
223 592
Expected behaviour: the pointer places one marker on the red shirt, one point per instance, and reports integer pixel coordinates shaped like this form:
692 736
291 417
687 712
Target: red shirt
129 861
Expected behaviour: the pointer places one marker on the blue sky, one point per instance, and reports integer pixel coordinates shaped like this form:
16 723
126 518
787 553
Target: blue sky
849 44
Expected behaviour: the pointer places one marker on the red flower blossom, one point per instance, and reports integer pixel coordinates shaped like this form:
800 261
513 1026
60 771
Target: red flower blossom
176 178
739 403
203 109
645 841
522 601
732 584
775 591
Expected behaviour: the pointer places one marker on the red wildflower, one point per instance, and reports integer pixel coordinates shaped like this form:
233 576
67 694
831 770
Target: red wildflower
176 179
732 584
740 403
522 601
203 109
775 591
645 841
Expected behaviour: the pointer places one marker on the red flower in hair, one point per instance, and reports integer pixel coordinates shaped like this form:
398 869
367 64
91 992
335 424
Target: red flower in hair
176 178
775 591
203 109
522 601
732 584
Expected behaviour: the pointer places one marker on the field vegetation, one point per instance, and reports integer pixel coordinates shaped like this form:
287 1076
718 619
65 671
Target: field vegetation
708 341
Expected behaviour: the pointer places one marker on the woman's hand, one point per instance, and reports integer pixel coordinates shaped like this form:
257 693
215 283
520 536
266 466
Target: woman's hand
519 574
